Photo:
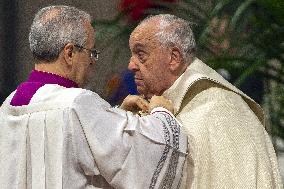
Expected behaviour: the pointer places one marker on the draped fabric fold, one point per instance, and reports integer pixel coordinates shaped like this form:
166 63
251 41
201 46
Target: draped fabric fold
71 138
228 144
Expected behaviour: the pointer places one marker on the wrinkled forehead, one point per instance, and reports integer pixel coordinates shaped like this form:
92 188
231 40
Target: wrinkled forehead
144 33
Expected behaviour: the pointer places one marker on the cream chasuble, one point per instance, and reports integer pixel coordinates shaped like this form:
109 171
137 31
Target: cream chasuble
228 144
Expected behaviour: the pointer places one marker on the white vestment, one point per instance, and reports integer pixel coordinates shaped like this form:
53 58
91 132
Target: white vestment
228 144
71 138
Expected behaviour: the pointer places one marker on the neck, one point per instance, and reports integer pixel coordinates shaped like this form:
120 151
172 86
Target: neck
51 67
173 77
184 67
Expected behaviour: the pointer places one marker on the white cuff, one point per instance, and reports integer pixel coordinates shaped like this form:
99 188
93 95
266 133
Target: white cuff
161 109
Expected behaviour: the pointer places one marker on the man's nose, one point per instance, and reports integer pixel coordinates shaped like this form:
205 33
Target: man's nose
132 65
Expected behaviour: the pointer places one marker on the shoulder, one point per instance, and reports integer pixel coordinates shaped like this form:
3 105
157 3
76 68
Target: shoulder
216 108
55 97
56 94
87 99
206 92
212 104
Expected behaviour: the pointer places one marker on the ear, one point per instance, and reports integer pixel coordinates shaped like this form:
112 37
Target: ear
176 60
68 53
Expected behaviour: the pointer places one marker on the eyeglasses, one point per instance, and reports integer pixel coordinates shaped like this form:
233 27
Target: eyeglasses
94 52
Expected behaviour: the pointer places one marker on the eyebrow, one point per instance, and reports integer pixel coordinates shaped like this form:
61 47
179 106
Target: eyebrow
138 46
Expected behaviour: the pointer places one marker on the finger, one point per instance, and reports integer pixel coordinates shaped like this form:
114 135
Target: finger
129 103
143 104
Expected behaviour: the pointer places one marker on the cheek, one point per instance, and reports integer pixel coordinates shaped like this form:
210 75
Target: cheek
156 78
150 80
88 70
84 69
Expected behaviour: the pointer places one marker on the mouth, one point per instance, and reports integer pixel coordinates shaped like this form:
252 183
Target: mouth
138 81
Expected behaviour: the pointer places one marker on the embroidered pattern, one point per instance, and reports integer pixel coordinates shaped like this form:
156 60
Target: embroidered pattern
171 170
163 158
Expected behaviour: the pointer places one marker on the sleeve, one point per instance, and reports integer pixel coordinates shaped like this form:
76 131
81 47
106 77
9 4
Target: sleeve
132 151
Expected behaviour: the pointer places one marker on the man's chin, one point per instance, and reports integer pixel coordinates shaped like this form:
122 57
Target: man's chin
144 92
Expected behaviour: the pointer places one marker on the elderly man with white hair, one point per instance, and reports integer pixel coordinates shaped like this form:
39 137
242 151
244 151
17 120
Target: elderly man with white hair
55 134
228 144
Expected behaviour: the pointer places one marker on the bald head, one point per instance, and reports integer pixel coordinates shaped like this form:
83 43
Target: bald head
49 14
170 31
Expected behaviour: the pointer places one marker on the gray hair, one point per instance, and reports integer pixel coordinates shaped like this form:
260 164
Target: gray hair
55 26
174 31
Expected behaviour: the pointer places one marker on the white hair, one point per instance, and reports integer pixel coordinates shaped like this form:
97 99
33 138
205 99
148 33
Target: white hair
55 26
174 31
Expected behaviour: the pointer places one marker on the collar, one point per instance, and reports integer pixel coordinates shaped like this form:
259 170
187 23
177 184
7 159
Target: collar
197 71
37 79
50 78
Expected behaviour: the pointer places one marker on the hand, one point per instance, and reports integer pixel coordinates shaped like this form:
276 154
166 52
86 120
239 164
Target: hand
134 103
160 101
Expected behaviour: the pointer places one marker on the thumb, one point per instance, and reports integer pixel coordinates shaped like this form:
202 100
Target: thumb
143 104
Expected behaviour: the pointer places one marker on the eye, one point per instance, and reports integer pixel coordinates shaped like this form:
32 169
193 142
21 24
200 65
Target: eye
141 56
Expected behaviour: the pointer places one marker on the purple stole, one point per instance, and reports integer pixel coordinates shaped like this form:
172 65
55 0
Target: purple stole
37 79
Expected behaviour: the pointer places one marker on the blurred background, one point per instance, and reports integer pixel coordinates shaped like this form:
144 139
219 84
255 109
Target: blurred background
242 39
